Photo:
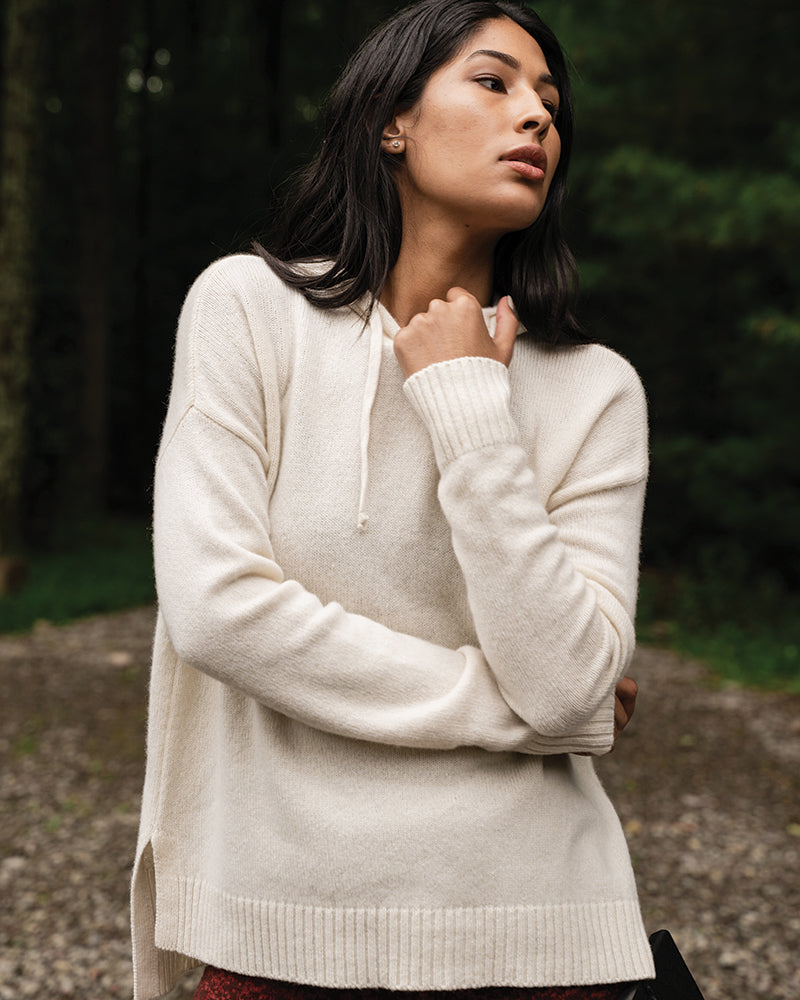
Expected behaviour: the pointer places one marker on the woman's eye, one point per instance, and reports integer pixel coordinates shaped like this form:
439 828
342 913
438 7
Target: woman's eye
491 83
551 108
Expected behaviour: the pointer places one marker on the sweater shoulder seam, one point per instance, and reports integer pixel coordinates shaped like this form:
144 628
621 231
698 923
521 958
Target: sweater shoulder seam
197 408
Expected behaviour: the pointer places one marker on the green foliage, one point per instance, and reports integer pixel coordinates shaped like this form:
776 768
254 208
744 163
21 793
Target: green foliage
754 657
747 631
98 568
774 327
638 194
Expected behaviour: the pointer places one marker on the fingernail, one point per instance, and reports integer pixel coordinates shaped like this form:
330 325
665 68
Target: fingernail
511 305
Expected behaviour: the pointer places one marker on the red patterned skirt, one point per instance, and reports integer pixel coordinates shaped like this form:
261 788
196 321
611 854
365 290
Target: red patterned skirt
217 984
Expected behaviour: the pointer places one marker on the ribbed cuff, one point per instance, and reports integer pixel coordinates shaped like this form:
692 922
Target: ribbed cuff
595 739
464 403
593 743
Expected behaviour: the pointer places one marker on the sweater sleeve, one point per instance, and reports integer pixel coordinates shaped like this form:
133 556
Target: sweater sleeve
227 606
552 589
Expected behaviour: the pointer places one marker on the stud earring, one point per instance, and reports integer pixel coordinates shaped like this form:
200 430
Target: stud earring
396 144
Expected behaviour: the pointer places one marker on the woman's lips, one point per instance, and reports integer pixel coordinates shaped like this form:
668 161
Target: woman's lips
530 161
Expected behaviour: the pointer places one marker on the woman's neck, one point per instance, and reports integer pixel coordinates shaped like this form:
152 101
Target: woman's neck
428 268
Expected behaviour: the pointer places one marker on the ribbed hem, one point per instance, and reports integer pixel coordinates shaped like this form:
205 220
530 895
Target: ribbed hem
405 949
155 972
464 404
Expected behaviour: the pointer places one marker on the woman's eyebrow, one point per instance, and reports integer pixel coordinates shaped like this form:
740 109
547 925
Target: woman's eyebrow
509 60
504 57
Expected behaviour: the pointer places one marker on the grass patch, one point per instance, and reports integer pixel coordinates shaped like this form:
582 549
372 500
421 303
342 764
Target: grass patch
747 632
98 568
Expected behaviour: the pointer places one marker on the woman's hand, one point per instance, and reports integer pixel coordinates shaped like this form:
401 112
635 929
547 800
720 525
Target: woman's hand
624 704
455 328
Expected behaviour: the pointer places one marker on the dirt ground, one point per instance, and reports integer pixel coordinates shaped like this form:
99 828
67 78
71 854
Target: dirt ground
706 780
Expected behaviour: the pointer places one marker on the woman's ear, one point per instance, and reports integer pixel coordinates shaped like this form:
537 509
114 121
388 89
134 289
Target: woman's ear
393 140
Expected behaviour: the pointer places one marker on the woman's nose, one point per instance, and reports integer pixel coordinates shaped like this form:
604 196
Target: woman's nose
534 116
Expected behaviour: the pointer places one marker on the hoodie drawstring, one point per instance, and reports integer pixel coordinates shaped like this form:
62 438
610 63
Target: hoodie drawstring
375 352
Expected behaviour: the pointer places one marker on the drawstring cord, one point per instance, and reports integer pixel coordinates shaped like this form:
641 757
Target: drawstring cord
375 351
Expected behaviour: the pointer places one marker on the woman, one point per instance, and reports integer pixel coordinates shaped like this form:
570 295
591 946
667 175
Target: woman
396 567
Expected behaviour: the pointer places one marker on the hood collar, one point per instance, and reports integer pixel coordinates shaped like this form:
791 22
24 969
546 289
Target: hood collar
382 324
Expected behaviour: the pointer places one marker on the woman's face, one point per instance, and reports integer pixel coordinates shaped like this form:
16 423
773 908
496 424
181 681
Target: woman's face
480 146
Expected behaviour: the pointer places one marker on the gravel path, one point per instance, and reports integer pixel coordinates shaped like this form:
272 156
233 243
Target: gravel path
706 781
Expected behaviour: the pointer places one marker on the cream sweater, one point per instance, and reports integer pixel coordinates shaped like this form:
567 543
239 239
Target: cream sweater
391 616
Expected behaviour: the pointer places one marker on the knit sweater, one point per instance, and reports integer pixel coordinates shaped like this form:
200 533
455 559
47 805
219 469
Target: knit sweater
392 615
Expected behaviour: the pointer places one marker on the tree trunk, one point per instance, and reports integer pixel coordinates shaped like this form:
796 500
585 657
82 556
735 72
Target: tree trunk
21 110
139 441
97 26
272 14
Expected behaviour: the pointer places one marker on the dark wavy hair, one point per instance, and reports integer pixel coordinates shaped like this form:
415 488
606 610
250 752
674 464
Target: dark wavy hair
346 209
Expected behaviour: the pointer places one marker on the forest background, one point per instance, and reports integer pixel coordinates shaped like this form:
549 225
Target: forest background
139 141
